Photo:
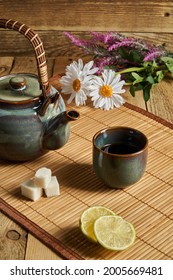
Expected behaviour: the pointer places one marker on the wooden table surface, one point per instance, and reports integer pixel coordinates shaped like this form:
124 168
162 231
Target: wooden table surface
15 242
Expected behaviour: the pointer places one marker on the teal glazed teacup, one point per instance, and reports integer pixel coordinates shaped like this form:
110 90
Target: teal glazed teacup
120 156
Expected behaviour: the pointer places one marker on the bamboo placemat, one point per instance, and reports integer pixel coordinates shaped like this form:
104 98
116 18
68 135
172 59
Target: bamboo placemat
147 204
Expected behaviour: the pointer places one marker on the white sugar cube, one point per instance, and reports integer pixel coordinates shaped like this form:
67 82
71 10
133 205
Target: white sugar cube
42 177
53 188
29 190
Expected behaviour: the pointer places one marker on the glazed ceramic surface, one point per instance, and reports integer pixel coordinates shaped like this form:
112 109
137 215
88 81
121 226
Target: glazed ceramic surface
25 133
33 117
119 170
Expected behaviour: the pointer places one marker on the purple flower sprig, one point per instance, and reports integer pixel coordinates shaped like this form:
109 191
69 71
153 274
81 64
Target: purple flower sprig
154 54
111 45
90 47
128 56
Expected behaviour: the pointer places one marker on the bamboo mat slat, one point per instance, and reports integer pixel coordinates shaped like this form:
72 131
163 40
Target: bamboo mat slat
148 204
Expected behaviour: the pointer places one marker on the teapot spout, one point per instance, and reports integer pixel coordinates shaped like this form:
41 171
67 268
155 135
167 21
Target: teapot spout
72 115
57 130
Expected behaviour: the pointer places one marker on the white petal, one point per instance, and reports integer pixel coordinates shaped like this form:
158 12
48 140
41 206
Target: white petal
108 103
79 99
75 71
72 96
120 84
118 90
94 93
94 87
94 96
118 100
115 80
82 94
86 79
80 64
98 79
106 107
88 66
104 75
66 91
102 102
110 76
93 71
88 70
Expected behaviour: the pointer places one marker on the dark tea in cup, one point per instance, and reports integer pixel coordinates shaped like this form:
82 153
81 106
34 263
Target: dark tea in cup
120 148
120 155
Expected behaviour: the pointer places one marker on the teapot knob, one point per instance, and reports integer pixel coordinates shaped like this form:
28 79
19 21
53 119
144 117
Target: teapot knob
17 83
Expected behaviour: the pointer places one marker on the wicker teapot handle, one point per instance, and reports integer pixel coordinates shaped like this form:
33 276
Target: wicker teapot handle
38 48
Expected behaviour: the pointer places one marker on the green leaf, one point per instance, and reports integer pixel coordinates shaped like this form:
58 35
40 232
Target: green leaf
167 59
146 92
139 87
146 63
137 77
123 53
135 56
160 75
154 64
132 90
150 79
168 62
132 69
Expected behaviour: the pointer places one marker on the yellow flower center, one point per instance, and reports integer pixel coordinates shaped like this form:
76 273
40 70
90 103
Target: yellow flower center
76 85
106 91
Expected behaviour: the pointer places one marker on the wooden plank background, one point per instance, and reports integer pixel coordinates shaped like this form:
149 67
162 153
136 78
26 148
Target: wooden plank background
150 20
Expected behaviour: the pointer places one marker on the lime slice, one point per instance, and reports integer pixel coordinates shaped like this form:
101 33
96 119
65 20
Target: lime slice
89 216
114 233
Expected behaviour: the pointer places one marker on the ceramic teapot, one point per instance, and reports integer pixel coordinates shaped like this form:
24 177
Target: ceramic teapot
33 116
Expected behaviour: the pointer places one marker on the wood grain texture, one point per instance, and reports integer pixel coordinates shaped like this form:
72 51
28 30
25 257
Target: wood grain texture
161 97
92 15
151 20
56 44
12 240
159 104
6 63
142 205
37 251
148 20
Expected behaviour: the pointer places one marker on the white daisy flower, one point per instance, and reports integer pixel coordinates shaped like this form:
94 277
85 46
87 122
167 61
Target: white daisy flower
77 81
106 90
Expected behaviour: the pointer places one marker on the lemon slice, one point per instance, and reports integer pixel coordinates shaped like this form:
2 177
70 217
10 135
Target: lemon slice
89 216
114 233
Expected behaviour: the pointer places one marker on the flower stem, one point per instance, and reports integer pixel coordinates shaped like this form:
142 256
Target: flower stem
132 69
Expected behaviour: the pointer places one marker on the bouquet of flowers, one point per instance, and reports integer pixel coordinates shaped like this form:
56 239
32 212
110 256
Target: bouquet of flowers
140 65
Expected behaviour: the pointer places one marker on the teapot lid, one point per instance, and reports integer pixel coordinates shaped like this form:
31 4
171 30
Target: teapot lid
19 87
